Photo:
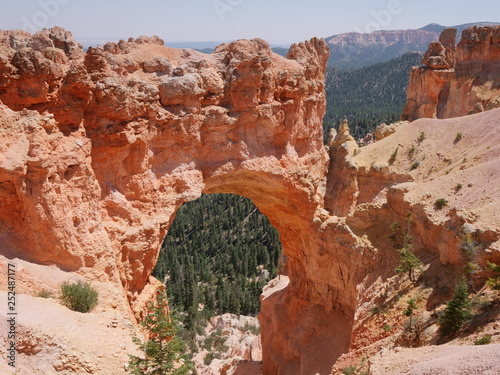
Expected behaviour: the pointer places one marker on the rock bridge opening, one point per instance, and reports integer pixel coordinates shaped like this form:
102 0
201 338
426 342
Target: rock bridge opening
217 256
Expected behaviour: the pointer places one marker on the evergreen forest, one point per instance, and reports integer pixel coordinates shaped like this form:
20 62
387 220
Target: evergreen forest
367 96
217 256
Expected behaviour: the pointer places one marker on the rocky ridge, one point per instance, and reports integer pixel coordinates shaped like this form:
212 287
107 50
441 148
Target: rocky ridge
355 50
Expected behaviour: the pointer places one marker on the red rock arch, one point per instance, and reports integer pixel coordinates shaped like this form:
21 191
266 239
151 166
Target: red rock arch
106 145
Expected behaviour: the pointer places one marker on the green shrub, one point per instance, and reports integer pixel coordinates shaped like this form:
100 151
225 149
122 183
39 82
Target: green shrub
44 293
493 281
411 152
485 340
458 187
79 296
351 370
375 310
469 247
415 165
387 327
209 357
480 304
421 137
412 305
458 310
208 342
458 137
393 156
394 228
440 203
255 330
408 262
192 346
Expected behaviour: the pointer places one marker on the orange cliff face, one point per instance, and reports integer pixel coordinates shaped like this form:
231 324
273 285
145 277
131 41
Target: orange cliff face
457 80
99 149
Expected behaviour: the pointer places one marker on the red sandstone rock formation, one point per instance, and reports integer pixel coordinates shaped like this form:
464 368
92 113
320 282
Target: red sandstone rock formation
99 149
457 81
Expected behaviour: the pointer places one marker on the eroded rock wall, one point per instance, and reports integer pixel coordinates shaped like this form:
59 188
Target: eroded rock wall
456 80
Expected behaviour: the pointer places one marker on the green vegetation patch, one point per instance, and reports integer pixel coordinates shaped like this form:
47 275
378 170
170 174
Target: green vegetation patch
219 253
79 296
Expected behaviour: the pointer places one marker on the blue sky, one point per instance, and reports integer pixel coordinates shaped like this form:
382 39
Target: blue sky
277 21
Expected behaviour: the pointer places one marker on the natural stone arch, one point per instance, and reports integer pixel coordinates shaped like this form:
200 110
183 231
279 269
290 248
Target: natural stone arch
118 138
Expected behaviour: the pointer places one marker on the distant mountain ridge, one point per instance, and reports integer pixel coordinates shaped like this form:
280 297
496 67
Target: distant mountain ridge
434 27
355 50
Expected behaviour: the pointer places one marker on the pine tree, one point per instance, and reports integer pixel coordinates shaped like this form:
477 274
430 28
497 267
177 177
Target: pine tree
162 352
458 310
494 280
408 262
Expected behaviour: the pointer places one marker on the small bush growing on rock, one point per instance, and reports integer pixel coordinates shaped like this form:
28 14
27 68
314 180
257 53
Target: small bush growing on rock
255 330
415 166
494 281
351 370
440 203
411 152
469 247
458 137
408 261
394 228
79 296
209 357
421 137
375 310
480 304
458 310
44 293
485 340
469 258
394 154
412 305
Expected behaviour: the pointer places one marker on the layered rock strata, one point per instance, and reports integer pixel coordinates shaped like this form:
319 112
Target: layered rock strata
457 79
